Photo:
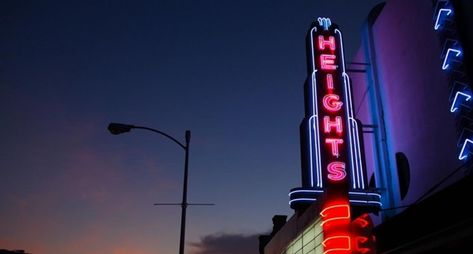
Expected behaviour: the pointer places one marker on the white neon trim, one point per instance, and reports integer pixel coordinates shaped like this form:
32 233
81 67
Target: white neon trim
457 54
311 167
355 149
310 191
301 199
448 12
464 156
341 49
348 109
313 126
454 107
312 31
316 124
315 114
366 202
365 193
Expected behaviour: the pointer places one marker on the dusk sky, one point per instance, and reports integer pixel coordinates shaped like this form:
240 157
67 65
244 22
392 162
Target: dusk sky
232 72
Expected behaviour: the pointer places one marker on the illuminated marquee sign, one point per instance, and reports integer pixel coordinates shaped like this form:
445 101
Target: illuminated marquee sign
333 119
331 157
332 163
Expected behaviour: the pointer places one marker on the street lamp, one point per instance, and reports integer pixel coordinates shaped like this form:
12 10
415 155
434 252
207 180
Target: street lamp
119 128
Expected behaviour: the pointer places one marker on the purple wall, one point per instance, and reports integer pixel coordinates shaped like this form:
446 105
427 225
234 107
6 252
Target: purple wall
361 103
414 95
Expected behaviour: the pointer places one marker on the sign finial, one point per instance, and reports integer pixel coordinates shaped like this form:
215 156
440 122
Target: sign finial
324 22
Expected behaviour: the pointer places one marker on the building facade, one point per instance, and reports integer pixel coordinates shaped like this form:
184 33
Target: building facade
411 88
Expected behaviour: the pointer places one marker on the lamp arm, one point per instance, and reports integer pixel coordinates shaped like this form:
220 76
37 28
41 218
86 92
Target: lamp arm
162 133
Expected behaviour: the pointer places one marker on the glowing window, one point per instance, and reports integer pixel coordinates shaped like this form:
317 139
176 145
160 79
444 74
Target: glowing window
307 242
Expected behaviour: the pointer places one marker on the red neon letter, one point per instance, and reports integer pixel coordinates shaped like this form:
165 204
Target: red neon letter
335 219
337 214
334 142
337 244
361 231
359 242
336 171
327 62
330 42
331 102
329 81
329 124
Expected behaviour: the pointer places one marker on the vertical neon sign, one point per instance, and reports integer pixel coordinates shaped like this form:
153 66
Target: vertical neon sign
330 144
332 168
333 119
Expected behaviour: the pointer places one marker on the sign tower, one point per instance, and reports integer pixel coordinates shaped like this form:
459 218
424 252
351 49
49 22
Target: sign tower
331 158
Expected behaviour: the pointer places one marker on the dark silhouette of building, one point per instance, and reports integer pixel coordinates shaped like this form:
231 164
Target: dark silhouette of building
278 223
3 251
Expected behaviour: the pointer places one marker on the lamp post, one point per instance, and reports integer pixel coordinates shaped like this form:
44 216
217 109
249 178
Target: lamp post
119 128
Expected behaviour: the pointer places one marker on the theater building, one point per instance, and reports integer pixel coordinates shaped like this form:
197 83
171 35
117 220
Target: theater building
387 137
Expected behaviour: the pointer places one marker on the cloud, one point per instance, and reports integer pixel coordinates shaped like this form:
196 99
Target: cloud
226 243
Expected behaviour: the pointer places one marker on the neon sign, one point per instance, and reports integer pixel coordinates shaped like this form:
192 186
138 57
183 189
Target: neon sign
331 155
453 65
442 13
332 163
455 53
458 96
336 226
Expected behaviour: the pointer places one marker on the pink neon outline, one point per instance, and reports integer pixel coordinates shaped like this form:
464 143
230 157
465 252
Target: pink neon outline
362 240
337 249
336 171
330 42
329 124
327 62
334 142
329 79
332 102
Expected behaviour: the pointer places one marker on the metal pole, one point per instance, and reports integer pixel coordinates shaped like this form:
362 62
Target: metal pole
119 128
184 195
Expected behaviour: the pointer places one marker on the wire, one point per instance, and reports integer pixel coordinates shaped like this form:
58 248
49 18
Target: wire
432 189
440 183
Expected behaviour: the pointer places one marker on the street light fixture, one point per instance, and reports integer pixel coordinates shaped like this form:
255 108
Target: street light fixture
119 128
